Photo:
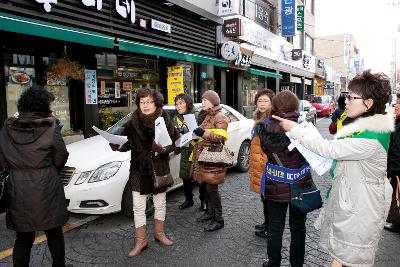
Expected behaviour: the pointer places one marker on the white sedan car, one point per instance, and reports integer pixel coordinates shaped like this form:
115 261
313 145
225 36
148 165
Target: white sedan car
96 179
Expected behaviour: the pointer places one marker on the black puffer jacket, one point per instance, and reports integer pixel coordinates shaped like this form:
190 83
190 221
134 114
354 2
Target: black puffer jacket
32 148
274 140
394 152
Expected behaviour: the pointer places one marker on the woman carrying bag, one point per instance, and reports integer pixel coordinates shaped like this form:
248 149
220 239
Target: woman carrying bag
149 161
213 134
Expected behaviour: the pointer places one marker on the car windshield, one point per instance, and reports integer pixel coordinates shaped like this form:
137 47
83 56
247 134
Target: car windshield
321 99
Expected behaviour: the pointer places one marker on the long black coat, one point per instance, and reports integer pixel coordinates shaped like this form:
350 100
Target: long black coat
144 162
32 148
394 152
185 151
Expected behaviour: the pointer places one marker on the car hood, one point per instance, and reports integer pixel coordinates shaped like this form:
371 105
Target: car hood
91 153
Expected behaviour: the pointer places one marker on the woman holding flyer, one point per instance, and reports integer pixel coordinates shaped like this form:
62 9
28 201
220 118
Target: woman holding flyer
148 159
360 197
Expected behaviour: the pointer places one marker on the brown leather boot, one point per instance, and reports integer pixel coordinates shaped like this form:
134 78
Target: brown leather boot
159 234
141 242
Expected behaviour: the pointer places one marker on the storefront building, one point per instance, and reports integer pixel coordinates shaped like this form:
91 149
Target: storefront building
108 49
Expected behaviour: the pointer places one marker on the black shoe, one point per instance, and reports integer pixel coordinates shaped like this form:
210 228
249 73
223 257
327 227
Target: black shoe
260 226
203 205
186 204
214 225
392 227
261 233
206 216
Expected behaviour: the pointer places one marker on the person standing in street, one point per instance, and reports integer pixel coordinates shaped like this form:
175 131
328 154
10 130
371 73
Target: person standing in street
358 203
274 143
184 105
213 132
148 159
258 159
33 151
393 172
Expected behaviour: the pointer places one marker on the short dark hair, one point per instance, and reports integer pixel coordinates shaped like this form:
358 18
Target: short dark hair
264 91
35 99
188 100
285 102
375 86
145 92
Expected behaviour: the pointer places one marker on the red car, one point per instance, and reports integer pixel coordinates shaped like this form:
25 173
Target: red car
324 104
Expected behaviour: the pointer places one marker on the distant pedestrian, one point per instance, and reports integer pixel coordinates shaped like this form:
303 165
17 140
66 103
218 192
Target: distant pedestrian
339 116
358 204
274 143
393 172
258 159
147 160
184 105
32 149
213 132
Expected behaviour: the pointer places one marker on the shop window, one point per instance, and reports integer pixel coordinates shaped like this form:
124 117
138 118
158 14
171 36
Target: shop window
251 85
19 71
309 44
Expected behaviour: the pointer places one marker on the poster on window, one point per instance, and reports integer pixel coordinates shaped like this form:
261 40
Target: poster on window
60 106
174 83
112 96
90 87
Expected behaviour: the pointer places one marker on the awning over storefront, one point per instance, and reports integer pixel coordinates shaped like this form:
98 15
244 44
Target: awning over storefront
136 47
28 26
266 73
23 25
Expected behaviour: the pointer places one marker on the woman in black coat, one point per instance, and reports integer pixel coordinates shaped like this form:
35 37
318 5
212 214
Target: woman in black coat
147 160
32 149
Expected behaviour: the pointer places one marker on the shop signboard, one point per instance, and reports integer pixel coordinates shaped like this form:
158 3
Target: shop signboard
90 87
300 17
174 83
160 26
112 95
297 54
230 50
263 13
231 27
288 18
243 60
346 48
228 7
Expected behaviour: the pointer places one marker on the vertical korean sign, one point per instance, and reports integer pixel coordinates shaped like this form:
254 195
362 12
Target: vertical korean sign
300 17
288 18
174 83
90 87
346 49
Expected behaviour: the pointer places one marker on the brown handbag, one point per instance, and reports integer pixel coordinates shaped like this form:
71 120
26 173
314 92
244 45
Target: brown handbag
161 181
216 155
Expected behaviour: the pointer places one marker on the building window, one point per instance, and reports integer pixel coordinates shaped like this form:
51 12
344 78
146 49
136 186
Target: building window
251 85
309 44
310 6
261 12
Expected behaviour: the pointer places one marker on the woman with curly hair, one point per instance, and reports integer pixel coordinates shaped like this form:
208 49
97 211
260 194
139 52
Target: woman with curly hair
359 200
32 149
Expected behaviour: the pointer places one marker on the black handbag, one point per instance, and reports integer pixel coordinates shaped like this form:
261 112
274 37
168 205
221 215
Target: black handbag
305 200
4 174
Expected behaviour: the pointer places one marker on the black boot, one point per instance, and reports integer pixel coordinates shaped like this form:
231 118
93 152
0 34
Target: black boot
186 204
217 222
206 216
203 205
392 227
260 227
261 233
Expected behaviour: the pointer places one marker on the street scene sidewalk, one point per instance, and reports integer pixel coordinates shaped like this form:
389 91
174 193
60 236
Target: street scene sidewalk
107 240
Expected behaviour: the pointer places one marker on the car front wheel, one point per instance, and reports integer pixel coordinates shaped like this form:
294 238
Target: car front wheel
243 157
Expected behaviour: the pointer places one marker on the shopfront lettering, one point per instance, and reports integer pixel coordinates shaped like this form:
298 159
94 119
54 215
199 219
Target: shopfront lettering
243 60
23 60
47 4
231 27
125 8
160 26
97 3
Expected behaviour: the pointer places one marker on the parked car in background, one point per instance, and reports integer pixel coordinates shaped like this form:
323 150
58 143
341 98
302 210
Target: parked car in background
324 104
96 178
307 112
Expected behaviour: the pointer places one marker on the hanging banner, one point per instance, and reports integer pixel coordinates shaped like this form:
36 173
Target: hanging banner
90 87
288 18
346 49
300 17
174 83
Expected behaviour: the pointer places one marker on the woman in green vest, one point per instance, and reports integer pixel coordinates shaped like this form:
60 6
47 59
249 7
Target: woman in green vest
357 206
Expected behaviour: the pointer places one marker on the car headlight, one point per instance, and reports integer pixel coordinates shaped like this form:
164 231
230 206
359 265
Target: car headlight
82 178
105 172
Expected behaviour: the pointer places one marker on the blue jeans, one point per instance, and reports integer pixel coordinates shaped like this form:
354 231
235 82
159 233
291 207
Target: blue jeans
297 223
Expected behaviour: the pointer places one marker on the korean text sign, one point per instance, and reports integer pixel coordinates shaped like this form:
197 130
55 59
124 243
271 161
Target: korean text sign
174 83
90 87
288 18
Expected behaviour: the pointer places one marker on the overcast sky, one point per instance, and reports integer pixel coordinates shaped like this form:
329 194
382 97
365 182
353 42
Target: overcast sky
373 23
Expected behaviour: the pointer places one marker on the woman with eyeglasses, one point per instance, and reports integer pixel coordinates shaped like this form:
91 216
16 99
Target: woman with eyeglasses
148 159
358 202
258 158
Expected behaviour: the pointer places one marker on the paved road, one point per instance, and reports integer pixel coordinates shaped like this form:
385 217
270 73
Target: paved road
106 240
